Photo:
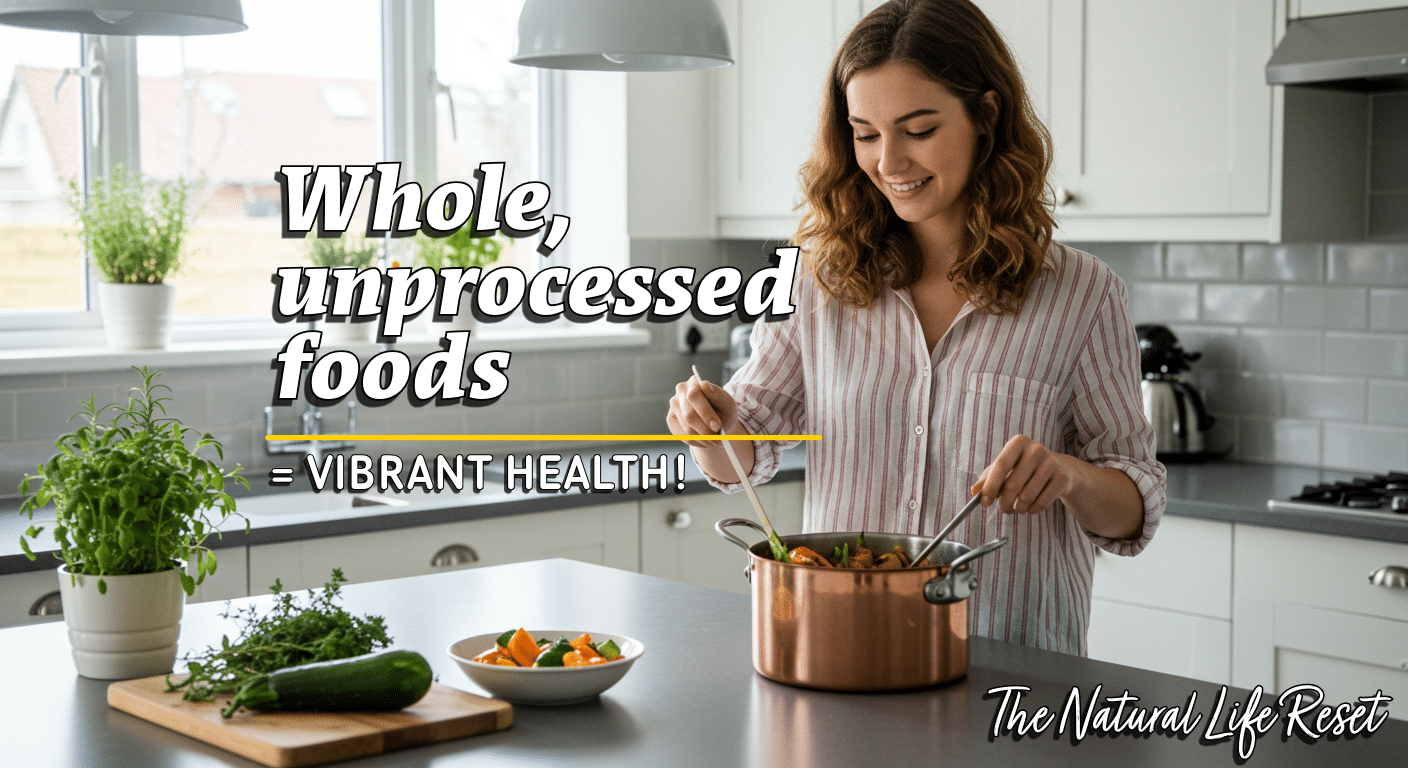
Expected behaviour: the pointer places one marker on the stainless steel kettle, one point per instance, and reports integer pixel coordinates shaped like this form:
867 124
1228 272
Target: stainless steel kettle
1173 406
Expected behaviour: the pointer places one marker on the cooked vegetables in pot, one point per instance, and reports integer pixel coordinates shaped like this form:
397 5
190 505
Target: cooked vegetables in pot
861 557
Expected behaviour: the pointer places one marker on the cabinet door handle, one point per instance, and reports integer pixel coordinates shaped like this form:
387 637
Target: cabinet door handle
50 604
679 520
1064 197
453 555
1391 576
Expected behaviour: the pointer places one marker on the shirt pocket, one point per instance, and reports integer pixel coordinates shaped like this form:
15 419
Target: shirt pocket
997 407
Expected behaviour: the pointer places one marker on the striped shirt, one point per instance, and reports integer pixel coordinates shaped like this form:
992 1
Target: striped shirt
906 432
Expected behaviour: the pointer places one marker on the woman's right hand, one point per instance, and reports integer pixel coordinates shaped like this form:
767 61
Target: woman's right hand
701 408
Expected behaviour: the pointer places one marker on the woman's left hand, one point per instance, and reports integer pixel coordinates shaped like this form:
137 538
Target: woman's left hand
1026 477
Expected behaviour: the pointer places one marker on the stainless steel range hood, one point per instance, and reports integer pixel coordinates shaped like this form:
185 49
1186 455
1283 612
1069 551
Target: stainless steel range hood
1353 52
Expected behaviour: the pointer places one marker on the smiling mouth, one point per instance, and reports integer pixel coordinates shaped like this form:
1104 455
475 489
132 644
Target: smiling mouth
907 186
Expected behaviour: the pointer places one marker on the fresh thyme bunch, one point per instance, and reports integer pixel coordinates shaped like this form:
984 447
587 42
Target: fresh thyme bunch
289 635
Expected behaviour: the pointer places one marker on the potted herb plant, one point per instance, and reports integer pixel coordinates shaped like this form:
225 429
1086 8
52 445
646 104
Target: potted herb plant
461 249
135 231
347 250
133 504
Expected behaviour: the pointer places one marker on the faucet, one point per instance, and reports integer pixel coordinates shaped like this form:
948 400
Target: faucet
310 423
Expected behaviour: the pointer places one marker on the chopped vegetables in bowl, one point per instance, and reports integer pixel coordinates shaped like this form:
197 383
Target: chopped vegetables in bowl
567 667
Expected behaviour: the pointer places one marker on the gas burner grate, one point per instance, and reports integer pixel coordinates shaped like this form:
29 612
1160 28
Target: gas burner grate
1387 492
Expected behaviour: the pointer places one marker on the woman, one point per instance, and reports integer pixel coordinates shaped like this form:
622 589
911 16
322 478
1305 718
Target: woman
943 345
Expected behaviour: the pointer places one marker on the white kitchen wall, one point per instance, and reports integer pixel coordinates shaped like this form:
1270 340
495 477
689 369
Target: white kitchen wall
594 391
1305 345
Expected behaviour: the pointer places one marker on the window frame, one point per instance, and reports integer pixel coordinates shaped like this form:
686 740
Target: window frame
407 135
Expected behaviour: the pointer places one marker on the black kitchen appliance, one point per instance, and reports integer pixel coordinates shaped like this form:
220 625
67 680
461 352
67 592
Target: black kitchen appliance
1173 406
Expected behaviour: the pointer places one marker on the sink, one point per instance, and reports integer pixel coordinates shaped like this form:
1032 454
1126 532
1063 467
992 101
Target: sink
309 501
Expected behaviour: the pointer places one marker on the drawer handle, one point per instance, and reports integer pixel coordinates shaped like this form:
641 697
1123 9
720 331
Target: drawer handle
51 604
1391 576
679 520
453 555
1064 197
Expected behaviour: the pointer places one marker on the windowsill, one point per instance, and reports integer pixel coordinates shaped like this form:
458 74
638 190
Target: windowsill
186 354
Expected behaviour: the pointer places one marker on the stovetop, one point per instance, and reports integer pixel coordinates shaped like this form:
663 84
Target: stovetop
1377 495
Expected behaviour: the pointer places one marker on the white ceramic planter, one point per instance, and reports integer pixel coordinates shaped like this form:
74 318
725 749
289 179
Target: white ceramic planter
464 321
346 332
137 315
129 632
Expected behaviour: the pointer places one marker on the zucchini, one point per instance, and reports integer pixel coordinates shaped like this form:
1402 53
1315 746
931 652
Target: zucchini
376 682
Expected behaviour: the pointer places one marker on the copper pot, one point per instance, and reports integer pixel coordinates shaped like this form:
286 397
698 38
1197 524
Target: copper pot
842 629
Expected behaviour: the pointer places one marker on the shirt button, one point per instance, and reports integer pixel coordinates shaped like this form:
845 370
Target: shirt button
913 504
918 429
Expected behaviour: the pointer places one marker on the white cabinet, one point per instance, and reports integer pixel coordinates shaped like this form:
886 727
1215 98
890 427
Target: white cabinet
687 548
1304 8
1168 609
1161 108
20 591
1164 128
1306 612
767 106
230 580
604 534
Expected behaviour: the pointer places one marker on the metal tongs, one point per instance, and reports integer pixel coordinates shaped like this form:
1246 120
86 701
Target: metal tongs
779 550
972 504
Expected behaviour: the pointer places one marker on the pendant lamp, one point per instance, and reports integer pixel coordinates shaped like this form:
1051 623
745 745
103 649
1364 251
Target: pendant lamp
622 35
126 17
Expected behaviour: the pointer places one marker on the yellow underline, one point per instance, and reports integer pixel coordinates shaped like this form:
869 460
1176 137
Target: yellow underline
539 438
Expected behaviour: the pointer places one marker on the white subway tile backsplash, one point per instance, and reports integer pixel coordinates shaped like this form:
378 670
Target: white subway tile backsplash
1202 261
636 416
1279 440
1241 304
568 419
1342 309
1163 302
602 378
1388 403
1131 261
1368 263
1283 262
1388 309
1281 351
1362 448
1233 392
1361 354
46 414
1320 397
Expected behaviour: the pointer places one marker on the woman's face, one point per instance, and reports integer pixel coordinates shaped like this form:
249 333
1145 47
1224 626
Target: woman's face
914 139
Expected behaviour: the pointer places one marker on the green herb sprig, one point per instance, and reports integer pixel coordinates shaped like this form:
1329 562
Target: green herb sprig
289 635
134 229
459 249
342 251
130 497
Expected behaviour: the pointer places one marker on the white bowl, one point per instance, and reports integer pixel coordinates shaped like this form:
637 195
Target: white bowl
544 685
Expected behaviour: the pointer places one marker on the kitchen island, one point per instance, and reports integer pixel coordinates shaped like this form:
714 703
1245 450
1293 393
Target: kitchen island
693 699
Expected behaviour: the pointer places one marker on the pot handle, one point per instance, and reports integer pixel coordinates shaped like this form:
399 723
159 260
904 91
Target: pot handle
957 585
722 526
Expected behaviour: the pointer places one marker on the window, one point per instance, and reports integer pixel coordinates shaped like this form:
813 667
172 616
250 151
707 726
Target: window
300 86
41 152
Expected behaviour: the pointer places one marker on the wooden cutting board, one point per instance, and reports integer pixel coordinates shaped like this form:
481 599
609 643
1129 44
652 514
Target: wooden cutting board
288 739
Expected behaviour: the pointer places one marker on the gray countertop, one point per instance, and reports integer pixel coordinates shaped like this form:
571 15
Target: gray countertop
1229 491
693 699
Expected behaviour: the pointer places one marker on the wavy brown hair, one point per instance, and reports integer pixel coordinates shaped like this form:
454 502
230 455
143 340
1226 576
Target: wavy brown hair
856 244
